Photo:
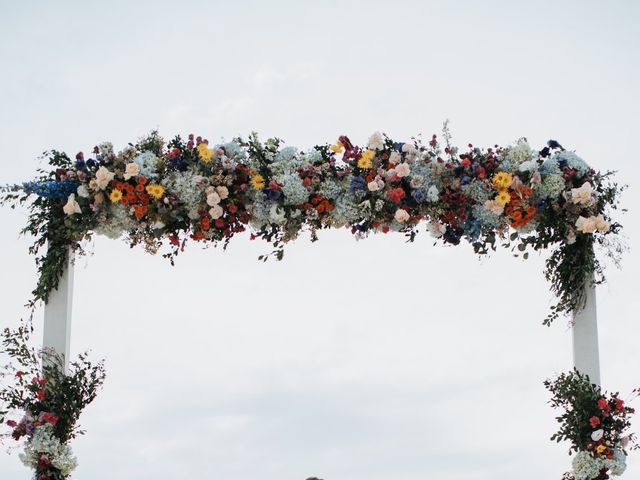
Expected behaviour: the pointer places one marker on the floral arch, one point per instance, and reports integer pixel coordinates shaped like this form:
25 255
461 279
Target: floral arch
164 195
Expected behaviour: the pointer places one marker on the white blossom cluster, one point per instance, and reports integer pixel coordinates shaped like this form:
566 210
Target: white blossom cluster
586 467
44 443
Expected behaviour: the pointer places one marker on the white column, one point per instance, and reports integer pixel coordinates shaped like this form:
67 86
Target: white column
57 315
586 356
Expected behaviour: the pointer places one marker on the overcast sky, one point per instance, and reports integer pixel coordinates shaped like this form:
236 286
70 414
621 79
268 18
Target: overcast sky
369 360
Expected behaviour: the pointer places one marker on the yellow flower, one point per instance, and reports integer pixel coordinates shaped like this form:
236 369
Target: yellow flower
336 147
115 196
502 180
257 182
503 197
156 191
366 159
205 152
600 449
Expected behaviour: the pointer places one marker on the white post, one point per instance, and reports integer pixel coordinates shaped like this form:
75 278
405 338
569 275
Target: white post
586 357
57 315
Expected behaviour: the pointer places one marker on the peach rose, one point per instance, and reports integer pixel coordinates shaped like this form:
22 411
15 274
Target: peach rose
586 225
216 212
401 215
103 177
131 170
582 195
71 206
223 192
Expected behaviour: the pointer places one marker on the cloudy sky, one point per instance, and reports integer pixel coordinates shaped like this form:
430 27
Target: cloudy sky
370 360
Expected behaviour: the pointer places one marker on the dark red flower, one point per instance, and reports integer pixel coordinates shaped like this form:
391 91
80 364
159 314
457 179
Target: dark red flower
40 394
619 405
19 374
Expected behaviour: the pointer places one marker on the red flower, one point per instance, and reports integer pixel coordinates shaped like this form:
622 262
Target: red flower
19 374
48 418
619 405
594 421
396 195
603 404
385 229
174 240
11 423
40 394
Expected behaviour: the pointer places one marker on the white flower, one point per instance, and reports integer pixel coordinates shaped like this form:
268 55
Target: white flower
401 215
277 214
71 206
222 191
43 442
131 170
373 186
585 467
433 194
436 229
103 177
597 435
586 225
395 158
213 199
618 464
216 212
582 195
494 207
376 141
83 191
402 170
408 148
528 166
148 163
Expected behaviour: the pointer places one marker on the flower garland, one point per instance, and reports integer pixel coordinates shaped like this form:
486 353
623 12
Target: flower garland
41 404
191 190
595 423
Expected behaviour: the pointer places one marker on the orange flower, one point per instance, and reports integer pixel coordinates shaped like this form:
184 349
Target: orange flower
140 188
199 235
205 223
142 180
140 211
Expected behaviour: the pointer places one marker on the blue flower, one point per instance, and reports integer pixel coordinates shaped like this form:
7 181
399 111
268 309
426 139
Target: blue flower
357 183
57 190
178 163
419 195
273 194
472 229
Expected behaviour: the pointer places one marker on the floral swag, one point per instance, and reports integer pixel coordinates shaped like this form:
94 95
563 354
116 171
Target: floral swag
162 195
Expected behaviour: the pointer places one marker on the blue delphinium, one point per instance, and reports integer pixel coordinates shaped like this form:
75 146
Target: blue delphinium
57 190
472 229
